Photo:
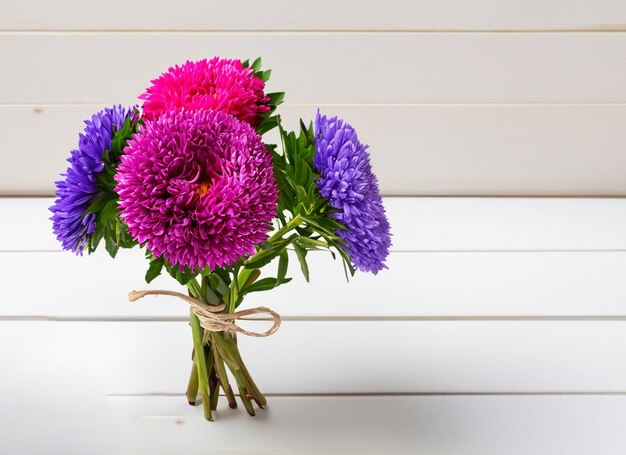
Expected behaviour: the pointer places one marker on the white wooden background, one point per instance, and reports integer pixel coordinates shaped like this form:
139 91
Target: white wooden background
501 324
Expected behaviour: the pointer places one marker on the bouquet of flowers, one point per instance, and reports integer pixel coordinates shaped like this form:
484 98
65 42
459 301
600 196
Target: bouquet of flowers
188 178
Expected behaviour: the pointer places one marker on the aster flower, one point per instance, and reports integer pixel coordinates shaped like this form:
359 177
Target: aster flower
218 84
197 187
79 189
349 185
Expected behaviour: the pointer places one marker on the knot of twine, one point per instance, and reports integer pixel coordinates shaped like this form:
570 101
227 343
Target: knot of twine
212 318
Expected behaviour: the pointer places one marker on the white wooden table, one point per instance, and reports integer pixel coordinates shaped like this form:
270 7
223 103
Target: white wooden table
500 327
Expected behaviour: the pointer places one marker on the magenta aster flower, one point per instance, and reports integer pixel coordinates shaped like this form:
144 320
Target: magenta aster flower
218 84
198 188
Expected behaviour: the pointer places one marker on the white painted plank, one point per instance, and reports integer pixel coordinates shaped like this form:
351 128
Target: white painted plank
321 15
487 284
391 425
451 149
419 224
320 68
324 357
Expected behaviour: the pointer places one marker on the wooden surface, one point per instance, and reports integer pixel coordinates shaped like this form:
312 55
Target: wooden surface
403 425
514 149
439 67
346 15
500 327
326 357
420 224
506 258
512 98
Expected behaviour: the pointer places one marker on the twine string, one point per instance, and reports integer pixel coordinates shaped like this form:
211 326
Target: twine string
212 318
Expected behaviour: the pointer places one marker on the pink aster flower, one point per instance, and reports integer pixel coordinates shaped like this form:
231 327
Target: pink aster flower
218 84
198 188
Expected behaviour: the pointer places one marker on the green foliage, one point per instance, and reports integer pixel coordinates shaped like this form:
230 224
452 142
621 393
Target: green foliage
268 120
298 196
301 253
183 276
266 284
283 265
155 268
267 255
109 226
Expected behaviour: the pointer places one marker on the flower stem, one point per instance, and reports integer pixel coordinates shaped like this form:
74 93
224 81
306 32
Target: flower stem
203 385
291 224
223 378
225 350
192 387
258 396
214 388
243 392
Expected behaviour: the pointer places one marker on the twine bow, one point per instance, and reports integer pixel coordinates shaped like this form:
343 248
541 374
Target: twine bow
212 318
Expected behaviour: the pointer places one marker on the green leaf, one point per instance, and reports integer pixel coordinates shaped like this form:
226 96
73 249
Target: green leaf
283 263
261 258
212 297
256 65
247 277
96 237
217 283
303 174
120 139
276 98
264 257
265 75
267 124
265 284
98 204
182 277
224 275
348 268
303 197
111 246
154 269
301 253
266 245
324 224
311 244
108 211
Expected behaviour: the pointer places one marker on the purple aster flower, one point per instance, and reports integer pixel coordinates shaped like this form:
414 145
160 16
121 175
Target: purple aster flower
347 182
197 188
78 190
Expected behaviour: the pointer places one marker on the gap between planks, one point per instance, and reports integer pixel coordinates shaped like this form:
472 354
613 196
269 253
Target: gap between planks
406 196
402 105
616 318
395 394
540 250
600 29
